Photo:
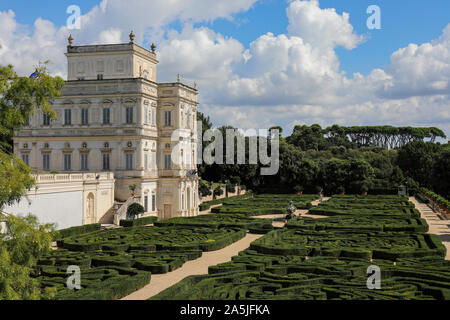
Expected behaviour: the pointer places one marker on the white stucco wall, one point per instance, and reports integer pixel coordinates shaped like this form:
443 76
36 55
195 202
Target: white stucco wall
65 208
64 199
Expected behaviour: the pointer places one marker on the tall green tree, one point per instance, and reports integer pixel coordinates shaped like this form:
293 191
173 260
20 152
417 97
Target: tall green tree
307 138
21 97
416 161
440 177
22 239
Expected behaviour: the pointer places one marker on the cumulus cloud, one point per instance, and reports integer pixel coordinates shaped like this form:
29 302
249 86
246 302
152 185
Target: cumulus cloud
322 28
199 54
419 70
282 79
24 47
109 21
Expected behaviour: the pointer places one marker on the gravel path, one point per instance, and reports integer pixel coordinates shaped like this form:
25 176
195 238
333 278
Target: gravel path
160 282
437 226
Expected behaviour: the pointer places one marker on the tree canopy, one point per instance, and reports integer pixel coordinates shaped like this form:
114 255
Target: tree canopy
23 239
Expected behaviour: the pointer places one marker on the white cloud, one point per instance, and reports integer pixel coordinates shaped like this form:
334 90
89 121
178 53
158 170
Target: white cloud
199 55
322 28
148 17
418 70
110 36
25 49
109 21
278 80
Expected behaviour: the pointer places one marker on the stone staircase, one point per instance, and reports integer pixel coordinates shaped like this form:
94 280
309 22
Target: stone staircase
116 213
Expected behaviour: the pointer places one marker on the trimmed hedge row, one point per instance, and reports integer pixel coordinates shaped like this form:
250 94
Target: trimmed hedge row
421 198
318 278
117 262
328 258
401 213
265 204
138 222
360 224
340 243
441 201
207 204
379 206
219 221
103 283
156 262
164 238
64 233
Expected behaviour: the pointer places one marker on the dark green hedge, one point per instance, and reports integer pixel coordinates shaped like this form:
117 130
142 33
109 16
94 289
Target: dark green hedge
104 283
207 204
138 222
218 221
327 259
78 230
422 198
318 278
341 243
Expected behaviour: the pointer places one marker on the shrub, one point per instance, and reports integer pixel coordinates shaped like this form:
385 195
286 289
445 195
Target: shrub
134 210
138 222
78 230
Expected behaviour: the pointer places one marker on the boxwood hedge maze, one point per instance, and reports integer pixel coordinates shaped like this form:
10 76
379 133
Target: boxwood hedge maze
265 204
328 259
117 262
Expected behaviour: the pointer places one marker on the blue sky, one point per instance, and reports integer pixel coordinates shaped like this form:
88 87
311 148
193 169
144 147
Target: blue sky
300 73
403 22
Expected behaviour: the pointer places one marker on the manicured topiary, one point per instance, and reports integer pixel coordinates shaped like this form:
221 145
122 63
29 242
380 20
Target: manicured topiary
134 210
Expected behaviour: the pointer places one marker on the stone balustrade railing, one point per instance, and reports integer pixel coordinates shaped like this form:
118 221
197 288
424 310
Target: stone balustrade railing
72 177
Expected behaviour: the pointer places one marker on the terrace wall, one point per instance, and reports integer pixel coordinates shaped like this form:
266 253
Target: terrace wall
68 199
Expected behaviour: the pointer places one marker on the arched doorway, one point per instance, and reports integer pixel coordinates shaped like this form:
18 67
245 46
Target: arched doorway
90 209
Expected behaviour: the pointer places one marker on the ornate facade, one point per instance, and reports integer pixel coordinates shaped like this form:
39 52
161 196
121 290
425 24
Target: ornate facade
114 117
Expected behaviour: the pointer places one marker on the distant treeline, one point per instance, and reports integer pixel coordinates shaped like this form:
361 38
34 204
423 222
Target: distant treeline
384 136
387 137
351 159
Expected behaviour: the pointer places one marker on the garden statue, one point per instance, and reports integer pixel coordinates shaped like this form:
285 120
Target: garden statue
291 211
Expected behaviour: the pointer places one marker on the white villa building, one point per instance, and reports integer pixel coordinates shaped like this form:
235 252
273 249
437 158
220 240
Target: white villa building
114 123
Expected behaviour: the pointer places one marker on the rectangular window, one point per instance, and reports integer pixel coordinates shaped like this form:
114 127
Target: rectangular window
154 167
154 116
153 202
146 115
100 76
146 203
46 162
67 162
84 116
145 161
129 161
46 120
67 116
129 117
26 158
167 118
106 162
84 162
106 116
167 162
